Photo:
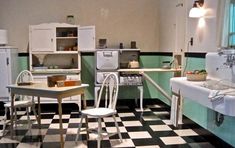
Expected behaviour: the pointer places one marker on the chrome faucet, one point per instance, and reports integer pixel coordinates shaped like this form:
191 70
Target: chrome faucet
230 59
230 55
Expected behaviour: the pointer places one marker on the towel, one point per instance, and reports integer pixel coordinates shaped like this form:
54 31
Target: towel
216 95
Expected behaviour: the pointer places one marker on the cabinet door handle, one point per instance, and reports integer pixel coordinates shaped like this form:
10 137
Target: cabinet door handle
7 61
51 40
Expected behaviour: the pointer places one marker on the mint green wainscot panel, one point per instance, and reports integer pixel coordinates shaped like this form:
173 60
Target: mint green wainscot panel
164 79
23 63
204 116
88 74
150 61
129 92
194 63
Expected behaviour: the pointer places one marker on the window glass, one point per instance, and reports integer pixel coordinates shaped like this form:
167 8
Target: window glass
231 41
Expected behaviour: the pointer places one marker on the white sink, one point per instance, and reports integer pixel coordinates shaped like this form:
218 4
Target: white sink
219 81
199 92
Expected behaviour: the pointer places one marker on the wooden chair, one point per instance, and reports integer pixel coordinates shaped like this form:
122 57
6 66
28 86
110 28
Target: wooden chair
20 100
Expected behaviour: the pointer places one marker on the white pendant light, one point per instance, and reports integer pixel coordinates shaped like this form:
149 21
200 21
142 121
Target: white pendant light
197 10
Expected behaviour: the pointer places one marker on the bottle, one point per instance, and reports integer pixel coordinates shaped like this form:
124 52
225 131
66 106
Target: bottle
121 45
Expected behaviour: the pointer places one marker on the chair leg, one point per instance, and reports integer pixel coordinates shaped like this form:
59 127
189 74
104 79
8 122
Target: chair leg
5 122
79 129
99 132
34 112
118 130
15 117
28 119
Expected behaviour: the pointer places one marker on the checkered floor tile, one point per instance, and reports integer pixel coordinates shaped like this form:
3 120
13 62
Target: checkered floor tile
148 129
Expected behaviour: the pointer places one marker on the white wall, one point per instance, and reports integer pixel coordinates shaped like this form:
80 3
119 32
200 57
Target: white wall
167 23
172 18
151 23
116 20
204 36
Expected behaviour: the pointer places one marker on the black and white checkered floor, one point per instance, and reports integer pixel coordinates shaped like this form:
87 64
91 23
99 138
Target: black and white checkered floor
150 129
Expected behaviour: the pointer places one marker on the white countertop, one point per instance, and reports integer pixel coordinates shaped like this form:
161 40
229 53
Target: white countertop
149 70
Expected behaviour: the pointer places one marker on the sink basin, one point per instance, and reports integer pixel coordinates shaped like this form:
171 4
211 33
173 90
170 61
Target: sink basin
216 84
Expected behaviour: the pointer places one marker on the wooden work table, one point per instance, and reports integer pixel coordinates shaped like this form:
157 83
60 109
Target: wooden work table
150 70
144 72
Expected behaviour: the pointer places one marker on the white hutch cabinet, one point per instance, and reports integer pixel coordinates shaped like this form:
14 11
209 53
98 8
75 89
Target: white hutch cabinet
8 70
55 49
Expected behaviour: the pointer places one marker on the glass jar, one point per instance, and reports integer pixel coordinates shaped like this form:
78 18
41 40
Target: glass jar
70 19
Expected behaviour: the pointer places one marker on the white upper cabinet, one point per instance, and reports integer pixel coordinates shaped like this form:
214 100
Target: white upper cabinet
86 38
53 37
41 38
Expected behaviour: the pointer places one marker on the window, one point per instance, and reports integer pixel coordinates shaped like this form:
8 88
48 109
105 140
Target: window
231 35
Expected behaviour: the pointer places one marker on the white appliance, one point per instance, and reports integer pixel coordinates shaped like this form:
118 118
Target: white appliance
107 59
8 69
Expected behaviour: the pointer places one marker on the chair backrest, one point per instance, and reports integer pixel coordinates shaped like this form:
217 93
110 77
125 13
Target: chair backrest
24 76
109 90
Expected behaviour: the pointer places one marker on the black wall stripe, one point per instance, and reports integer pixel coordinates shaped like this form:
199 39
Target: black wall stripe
23 54
195 55
187 54
156 53
87 54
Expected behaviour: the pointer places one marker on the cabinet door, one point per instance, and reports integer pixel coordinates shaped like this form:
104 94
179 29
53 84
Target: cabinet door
42 39
86 38
4 78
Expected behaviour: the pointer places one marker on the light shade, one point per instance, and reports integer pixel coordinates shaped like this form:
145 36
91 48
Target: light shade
196 12
3 37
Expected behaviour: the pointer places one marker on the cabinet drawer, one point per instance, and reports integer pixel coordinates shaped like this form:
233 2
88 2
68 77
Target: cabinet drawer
43 78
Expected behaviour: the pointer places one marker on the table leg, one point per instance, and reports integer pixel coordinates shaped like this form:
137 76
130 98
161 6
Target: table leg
86 119
39 113
84 100
12 109
61 123
87 129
